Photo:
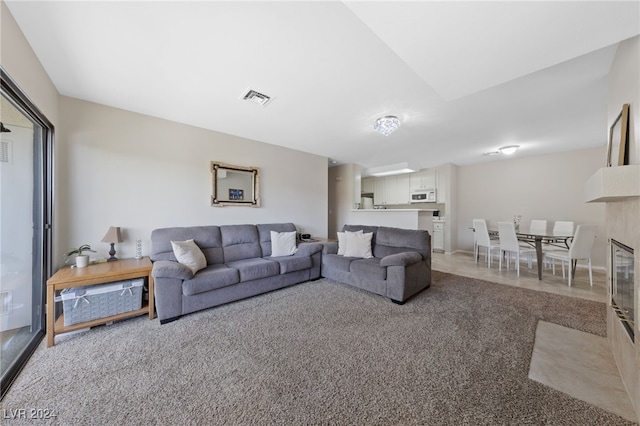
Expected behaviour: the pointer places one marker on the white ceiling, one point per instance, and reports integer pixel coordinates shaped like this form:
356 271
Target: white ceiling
463 77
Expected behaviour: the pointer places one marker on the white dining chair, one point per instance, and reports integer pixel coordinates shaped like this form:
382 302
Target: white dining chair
509 245
560 227
482 240
580 249
536 227
563 227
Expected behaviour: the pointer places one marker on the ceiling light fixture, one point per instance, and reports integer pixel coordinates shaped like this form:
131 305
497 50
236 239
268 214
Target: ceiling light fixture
508 150
387 125
391 169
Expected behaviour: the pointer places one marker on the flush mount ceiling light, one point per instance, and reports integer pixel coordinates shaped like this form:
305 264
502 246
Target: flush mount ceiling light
508 150
386 125
391 169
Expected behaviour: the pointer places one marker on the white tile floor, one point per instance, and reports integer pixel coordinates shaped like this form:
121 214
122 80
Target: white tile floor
463 264
564 359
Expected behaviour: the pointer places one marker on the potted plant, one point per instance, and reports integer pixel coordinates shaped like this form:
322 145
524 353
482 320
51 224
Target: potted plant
82 260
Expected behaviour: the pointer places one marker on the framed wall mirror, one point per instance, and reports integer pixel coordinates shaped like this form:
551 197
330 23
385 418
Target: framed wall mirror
235 185
618 146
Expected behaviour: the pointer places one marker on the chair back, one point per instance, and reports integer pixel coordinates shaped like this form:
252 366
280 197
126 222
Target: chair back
538 226
507 235
582 242
563 228
481 232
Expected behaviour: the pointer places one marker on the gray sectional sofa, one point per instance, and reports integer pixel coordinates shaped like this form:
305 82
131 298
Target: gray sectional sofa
238 265
400 266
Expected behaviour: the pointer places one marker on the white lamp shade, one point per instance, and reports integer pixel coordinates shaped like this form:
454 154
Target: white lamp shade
113 235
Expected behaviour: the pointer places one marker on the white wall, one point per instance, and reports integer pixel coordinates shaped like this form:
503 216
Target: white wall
17 58
343 182
118 168
624 88
547 187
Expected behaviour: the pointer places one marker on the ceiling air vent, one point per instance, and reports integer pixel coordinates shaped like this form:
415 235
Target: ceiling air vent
256 97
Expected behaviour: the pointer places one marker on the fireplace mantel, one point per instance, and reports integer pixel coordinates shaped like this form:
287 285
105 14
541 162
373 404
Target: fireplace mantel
613 184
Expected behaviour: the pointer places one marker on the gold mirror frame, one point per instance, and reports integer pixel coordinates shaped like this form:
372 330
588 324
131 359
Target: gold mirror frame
241 189
617 147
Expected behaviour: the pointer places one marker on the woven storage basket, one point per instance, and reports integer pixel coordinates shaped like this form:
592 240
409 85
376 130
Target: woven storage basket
81 304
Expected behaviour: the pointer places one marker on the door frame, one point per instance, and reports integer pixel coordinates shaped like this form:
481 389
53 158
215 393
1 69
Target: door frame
42 251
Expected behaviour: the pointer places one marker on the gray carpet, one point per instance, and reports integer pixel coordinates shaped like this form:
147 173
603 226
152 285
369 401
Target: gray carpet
319 353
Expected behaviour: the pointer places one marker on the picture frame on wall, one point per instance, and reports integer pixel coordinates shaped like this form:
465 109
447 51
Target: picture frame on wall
618 146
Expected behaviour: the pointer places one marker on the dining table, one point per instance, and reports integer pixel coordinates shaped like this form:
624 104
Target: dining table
537 239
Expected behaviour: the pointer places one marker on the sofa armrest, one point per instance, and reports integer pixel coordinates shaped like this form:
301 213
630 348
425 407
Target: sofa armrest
170 269
308 249
401 259
330 247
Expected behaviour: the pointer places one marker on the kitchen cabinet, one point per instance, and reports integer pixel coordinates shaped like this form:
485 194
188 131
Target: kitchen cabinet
391 190
379 192
367 185
437 240
422 180
397 189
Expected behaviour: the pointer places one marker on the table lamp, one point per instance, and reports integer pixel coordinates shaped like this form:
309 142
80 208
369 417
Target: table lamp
113 236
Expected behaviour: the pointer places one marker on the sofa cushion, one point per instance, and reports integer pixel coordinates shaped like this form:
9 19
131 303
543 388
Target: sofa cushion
189 254
210 278
396 240
365 229
283 243
368 269
293 263
264 231
358 244
240 242
206 237
342 241
253 269
337 261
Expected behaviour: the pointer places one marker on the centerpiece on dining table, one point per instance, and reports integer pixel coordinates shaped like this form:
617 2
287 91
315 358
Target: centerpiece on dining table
516 221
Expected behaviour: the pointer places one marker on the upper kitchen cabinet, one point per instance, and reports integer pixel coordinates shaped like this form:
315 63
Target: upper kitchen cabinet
398 189
423 180
391 190
367 185
379 192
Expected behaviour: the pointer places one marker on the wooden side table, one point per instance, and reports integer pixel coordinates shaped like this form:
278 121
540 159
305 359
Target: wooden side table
100 273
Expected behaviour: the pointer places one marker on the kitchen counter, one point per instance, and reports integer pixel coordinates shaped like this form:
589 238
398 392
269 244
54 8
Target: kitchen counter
397 218
395 210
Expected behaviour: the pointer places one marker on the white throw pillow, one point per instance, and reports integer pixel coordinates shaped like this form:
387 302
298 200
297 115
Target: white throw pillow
283 243
189 254
359 245
342 241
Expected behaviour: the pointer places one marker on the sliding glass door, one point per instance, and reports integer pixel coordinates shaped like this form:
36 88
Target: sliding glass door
26 140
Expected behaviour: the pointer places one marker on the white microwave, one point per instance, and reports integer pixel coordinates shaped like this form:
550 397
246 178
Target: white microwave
424 196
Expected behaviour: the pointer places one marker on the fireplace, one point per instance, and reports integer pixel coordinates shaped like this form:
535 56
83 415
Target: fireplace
622 288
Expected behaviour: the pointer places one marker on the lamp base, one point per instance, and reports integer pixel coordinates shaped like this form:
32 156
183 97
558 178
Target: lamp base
112 253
